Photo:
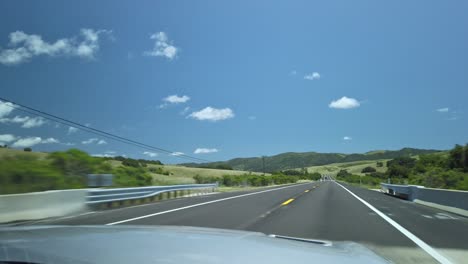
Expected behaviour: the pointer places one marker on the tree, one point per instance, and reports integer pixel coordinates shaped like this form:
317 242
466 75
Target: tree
456 157
223 167
27 149
131 163
343 173
398 171
432 160
368 169
379 175
402 161
379 164
292 172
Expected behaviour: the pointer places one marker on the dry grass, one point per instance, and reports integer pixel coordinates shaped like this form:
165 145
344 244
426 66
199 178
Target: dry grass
354 167
7 152
182 175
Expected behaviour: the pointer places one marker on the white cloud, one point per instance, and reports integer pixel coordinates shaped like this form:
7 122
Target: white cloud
177 153
185 111
7 138
175 99
69 144
347 138
105 155
344 103
110 152
205 150
94 140
150 154
212 114
50 141
6 108
31 141
312 76
34 122
162 47
24 47
443 110
27 142
26 121
72 130
293 72
89 141
252 117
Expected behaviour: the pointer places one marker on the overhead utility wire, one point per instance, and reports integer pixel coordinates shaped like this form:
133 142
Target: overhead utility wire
97 131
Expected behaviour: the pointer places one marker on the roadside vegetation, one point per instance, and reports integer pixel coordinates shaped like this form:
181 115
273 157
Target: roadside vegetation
29 171
253 180
26 171
447 170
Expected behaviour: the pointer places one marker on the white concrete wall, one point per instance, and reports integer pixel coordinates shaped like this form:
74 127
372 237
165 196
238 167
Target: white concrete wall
39 205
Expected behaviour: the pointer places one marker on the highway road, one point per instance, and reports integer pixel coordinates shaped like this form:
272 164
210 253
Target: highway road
401 231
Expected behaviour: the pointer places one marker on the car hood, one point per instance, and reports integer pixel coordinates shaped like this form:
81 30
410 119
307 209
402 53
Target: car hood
168 244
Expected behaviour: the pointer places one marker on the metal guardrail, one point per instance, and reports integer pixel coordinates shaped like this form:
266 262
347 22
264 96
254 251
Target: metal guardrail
98 196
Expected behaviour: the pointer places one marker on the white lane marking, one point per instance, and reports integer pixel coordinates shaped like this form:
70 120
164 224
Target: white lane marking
200 204
431 251
445 216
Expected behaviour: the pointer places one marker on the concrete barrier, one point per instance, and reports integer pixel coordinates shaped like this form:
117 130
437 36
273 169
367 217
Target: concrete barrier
39 205
448 200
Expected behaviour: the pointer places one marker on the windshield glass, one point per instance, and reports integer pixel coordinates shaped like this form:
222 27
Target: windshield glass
324 126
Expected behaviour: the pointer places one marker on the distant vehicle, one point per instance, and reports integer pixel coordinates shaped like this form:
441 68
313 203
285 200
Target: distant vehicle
168 244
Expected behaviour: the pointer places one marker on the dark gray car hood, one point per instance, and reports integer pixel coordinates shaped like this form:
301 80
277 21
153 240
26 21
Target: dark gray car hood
167 244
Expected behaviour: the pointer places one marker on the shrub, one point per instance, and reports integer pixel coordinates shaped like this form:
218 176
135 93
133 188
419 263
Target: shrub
203 180
27 149
343 174
25 173
130 176
368 170
131 163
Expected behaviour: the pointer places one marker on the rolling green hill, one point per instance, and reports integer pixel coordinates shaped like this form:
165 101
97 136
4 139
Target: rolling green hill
353 167
293 160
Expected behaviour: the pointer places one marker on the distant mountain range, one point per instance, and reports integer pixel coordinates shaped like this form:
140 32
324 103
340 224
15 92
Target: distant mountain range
292 160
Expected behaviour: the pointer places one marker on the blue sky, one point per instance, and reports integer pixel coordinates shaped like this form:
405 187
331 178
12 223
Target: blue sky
238 78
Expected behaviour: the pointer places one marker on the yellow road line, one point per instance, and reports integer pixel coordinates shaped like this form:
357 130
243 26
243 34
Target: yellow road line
287 202
307 190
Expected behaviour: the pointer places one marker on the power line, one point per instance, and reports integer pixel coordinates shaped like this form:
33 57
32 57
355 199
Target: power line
99 132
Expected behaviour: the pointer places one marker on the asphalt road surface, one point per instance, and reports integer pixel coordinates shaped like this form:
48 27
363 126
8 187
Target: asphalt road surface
401 231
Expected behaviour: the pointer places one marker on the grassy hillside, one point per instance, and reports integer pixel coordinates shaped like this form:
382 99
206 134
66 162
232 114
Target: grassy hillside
7 152
180 174
292 160
354 167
